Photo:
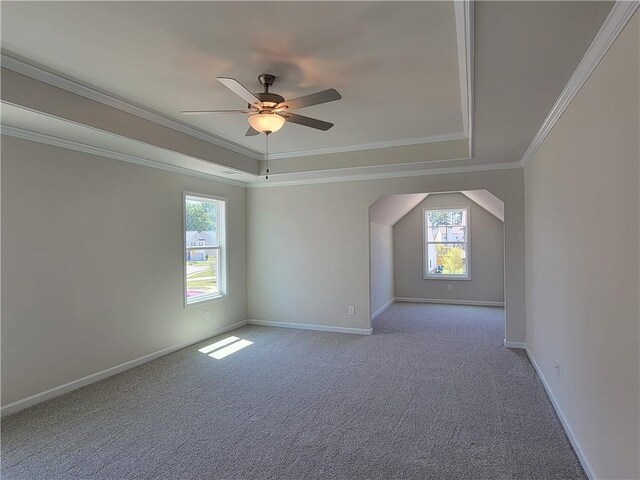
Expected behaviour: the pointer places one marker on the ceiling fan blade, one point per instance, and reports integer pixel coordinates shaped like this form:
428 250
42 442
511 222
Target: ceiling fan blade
202 112
307 121
237 88
251 132
309 100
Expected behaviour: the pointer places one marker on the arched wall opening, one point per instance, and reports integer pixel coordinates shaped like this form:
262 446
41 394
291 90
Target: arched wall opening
415 258
317 239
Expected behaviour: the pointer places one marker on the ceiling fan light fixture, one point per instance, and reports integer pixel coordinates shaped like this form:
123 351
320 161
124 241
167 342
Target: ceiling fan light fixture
266 122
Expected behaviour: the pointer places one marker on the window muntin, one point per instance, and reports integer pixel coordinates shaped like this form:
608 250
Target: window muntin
204 248
446 243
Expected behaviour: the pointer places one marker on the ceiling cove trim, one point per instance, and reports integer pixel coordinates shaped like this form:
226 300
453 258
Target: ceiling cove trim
369 146
373 169
111 134
38 73
464 15
620 14
104 152
23 67
379 176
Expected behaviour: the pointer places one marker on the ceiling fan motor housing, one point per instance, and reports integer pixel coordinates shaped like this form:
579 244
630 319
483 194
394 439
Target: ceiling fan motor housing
269 99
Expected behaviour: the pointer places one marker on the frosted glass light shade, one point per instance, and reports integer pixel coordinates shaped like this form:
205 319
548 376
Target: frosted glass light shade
266 122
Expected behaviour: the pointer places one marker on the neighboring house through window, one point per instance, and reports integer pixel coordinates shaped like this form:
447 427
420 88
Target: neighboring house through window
204 248
446 243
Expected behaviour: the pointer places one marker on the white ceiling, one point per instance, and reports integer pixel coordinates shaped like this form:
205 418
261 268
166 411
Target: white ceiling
396 64
389 209
488 201
165 56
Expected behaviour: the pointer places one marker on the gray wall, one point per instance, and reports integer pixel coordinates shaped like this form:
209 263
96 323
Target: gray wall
92 271
381 241
583 285
308 251
487 255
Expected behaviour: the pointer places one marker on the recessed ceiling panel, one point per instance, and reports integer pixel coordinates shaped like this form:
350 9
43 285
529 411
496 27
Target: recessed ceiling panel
395 63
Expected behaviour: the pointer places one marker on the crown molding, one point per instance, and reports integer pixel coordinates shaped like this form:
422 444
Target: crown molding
620 14
384 175
384 167
103 152
447 137
464 15
38 73
23 67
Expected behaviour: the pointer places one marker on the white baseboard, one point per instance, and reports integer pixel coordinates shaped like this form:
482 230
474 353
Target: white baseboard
510 344
446 301
588 468
383 308
306 326
81 382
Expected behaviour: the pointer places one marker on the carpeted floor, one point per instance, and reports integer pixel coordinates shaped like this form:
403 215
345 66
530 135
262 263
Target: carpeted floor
432 394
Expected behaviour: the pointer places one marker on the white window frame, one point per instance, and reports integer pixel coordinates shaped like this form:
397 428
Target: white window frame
221 233
425 246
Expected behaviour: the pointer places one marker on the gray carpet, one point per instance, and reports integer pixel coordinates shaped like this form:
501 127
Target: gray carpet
432 394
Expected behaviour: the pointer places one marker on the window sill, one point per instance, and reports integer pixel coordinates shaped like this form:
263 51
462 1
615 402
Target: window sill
446 277
207 299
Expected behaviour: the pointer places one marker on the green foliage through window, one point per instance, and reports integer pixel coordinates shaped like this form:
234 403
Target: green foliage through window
453 261
201 216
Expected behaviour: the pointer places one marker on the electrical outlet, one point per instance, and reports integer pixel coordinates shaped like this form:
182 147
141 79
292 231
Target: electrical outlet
449 287
207 315
557 368
352 310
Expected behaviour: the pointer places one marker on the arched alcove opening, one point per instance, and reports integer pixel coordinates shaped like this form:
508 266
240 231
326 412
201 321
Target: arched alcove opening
442 248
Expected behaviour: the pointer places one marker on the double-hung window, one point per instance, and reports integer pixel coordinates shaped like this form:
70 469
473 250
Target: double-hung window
446 243
205 255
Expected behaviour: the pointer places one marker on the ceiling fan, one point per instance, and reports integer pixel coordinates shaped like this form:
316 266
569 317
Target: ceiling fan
269 111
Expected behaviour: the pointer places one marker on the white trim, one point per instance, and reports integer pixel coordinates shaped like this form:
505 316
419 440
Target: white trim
470 20
371 168
81 382
383 308
464 15
38 73
382 175
307 326
461 42
452 301
588 468
620 14
510 344
232 170
103 152
447 137
425 245
222 204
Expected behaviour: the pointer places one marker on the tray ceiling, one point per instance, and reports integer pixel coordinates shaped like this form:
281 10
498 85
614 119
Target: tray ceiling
395 64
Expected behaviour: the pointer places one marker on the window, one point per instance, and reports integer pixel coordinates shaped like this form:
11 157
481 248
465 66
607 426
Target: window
446 243
204 248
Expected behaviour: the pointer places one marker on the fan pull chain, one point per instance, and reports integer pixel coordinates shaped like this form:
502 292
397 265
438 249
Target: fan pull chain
266 134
